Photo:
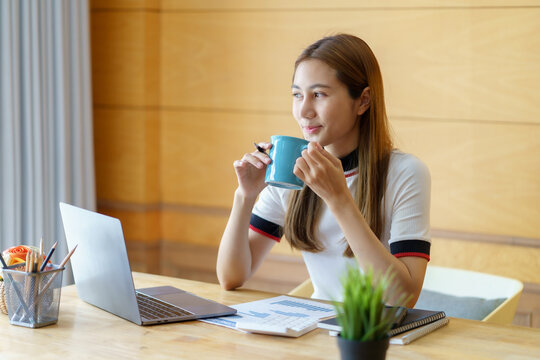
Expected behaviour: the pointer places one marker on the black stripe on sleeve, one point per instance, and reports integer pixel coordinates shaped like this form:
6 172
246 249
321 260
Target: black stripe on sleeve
265 227
411 248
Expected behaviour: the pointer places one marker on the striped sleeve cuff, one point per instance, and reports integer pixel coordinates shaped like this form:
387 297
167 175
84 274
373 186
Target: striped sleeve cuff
265 227
404 248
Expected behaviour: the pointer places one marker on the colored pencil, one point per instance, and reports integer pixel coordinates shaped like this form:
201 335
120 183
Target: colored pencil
55 274
48 257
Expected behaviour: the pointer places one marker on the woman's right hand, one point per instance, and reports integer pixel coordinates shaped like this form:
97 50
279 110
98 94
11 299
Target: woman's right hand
251 170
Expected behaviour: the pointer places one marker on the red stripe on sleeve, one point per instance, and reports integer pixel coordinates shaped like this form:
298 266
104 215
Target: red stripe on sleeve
417 254
264 233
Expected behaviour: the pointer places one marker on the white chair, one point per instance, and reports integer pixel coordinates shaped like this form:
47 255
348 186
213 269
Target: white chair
450 290
305 289
456 288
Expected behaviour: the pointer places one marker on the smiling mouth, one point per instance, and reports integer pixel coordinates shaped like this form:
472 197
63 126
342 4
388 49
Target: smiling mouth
311 129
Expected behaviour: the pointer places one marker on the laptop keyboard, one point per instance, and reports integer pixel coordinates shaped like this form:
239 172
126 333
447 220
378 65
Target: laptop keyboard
152 308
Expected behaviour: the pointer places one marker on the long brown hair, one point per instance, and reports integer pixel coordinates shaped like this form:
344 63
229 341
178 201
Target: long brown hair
357 68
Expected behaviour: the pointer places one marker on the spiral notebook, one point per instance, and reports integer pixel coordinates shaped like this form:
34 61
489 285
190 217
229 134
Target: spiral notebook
413 319
411 335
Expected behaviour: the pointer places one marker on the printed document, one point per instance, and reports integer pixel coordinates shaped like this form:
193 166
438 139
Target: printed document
278 306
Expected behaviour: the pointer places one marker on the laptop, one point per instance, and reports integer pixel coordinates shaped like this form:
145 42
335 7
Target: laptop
103 276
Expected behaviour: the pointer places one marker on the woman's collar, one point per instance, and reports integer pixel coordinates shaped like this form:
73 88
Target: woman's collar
350 161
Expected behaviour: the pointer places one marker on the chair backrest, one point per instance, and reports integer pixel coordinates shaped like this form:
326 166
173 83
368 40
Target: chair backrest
456 288
305 289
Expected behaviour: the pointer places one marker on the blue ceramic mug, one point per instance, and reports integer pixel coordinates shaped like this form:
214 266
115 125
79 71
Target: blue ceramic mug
284 152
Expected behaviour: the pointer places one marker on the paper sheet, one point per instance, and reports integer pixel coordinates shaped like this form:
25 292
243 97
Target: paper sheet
255 311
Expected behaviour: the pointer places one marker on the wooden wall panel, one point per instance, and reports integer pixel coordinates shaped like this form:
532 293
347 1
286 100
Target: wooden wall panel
189 226
108 5
278 273
484 176
517 262
126 155
143 226
199 148
204 227
125 55
266 5
226 61
482 71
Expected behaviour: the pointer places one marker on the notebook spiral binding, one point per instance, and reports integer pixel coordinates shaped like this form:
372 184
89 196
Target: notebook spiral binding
416 324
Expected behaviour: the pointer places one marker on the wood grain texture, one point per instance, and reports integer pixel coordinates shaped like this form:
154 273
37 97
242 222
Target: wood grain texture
484 176
194 228
143 5
144 256
278 273
485 69
199 148
126 155
518 262
203 227
84 331
139 226
266 5
125 58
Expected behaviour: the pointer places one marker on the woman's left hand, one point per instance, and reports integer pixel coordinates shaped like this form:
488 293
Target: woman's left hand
322 172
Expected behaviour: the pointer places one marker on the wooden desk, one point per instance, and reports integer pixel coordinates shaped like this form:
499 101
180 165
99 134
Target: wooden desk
84 331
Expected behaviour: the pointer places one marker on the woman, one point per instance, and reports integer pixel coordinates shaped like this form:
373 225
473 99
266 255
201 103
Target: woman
364 202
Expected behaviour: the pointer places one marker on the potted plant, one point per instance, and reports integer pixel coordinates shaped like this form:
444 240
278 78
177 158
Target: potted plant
364 318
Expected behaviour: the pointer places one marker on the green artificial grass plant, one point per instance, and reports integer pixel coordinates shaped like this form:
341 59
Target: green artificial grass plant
363 315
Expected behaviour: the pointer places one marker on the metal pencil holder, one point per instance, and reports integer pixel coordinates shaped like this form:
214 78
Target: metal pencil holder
33 299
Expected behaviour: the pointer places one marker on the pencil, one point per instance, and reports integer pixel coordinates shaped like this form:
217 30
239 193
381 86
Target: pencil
4 265
259 148
67 257
48 257
56 273
28 259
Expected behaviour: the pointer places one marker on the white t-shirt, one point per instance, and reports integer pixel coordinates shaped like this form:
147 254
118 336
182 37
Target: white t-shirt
406 231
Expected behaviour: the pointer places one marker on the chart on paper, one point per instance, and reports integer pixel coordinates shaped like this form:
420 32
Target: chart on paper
274 307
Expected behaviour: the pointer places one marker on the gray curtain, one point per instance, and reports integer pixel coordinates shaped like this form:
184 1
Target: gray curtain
46 149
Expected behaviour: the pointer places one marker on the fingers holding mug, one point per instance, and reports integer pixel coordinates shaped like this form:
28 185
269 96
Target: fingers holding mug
262 147
252 159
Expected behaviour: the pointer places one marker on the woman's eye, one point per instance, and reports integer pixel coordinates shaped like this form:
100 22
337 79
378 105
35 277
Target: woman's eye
319 94
297 95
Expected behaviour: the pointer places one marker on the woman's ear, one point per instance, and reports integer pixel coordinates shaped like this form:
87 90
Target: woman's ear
365 100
